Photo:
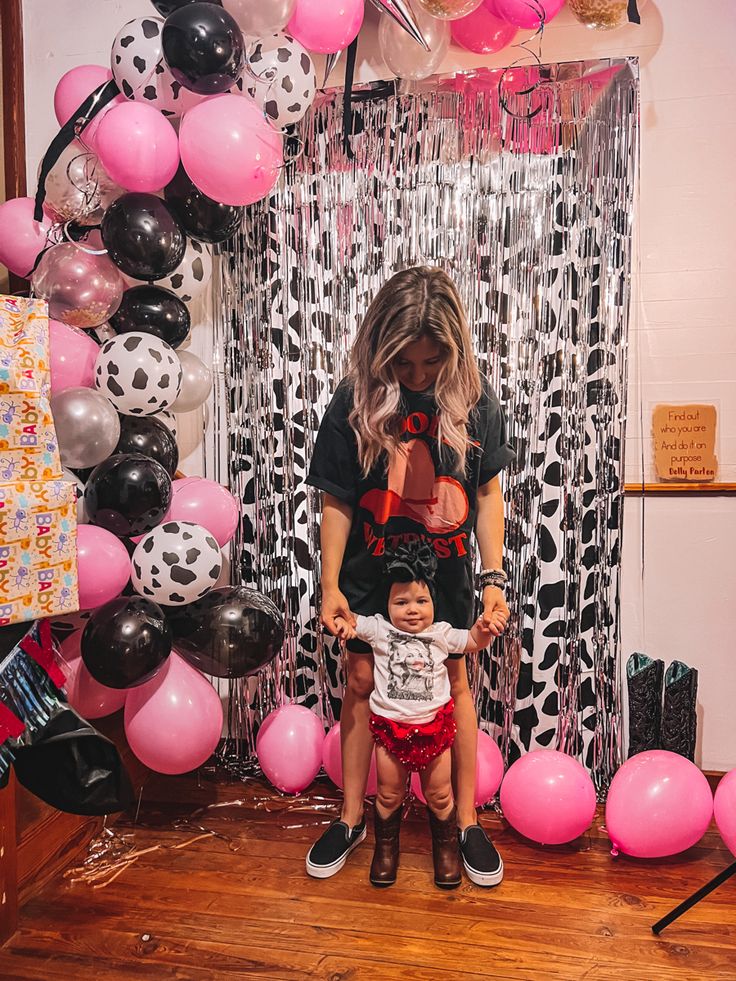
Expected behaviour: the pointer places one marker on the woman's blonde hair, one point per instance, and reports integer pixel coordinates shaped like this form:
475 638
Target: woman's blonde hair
415 303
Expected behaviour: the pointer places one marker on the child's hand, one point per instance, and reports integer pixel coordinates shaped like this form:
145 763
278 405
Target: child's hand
482 633
343 630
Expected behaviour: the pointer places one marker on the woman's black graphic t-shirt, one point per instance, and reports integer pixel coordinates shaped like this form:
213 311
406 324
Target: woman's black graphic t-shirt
419 496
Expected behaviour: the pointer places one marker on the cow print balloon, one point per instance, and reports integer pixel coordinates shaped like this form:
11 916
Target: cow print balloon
135 53
139 373
190 277
176 563
164 93
287 80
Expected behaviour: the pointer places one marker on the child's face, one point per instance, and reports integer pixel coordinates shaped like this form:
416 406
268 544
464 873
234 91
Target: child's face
410 607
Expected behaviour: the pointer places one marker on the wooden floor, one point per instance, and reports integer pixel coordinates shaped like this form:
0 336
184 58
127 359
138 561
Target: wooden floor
245 908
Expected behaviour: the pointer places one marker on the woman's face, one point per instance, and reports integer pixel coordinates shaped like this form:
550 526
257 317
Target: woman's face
418 364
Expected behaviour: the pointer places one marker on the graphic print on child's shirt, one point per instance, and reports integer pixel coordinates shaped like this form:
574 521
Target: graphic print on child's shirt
410 667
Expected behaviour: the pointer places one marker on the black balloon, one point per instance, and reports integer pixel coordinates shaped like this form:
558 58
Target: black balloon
148 436
126 642
200 216
142 236
128 494
203 47
166 7
154 310
231 632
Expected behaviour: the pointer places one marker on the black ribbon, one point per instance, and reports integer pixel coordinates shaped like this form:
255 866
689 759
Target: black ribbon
347 95
633 13
412 561
84 115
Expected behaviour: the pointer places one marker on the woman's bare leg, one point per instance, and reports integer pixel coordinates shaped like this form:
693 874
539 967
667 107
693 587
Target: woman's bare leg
356 741
465 747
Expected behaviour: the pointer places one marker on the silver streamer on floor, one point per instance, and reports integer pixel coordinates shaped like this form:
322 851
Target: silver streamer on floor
522 185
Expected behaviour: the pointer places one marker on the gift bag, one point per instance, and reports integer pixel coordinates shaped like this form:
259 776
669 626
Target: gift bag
38 517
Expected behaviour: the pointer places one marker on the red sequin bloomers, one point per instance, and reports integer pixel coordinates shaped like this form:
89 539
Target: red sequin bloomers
416 745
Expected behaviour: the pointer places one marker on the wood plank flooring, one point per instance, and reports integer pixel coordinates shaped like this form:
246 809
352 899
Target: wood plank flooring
245 908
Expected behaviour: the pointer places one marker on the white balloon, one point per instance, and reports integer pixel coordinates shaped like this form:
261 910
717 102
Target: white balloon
135 53
176 563
196 383
286 81
404 57
139 373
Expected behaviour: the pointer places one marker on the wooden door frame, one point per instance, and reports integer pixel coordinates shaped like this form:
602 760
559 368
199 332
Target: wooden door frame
14 114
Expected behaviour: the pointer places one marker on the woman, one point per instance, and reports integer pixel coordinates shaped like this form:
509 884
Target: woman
410 447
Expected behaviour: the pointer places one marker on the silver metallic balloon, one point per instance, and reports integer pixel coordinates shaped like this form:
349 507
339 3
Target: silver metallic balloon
82 289
262 17
87 427
78 188
196 383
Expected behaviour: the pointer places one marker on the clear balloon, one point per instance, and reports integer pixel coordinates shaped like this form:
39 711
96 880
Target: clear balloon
230 152
203 48
78 187
482 32
659 804
176 563
103 566
449 9
82 289
87 427
72 357
549 797
403 56
138 147
206 503
602 15
21 237
289 747
285 82
261 18
326 25
87 696
196 383
173 723
139 373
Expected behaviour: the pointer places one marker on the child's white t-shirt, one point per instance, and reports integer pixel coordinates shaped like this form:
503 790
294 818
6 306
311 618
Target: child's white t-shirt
409 676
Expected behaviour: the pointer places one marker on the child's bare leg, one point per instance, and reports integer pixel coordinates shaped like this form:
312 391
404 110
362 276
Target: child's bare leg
436 780
391 775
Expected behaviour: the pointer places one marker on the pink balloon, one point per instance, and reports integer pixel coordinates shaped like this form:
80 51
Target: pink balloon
74 87
332 761
103 566
21 238
173 722
137 147
521 13
72 356
488 772
206 503
229 150
289 747
482 31
326 25
724 809
91 699
658 804
549 797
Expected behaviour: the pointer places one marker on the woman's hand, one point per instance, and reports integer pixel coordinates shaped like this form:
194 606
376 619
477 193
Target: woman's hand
335 604
495 613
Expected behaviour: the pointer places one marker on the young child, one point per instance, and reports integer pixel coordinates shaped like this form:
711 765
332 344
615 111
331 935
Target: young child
412 711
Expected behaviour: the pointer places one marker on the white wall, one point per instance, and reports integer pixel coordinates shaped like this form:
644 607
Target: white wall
683 330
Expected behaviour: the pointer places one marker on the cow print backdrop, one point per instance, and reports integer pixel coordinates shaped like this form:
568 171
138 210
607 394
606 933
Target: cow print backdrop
530 212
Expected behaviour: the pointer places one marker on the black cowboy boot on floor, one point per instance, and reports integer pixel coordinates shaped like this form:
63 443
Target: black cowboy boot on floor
644 679
679 718
386 852
446 850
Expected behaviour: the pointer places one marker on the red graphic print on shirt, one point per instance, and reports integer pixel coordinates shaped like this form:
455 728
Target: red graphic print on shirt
415 492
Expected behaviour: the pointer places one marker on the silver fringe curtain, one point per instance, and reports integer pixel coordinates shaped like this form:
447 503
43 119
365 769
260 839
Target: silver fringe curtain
524 191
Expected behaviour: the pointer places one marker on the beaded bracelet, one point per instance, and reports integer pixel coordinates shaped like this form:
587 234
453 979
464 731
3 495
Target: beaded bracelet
492 577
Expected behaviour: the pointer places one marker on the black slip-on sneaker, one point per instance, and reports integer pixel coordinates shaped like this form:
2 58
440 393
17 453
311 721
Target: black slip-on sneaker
329 853
482 862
